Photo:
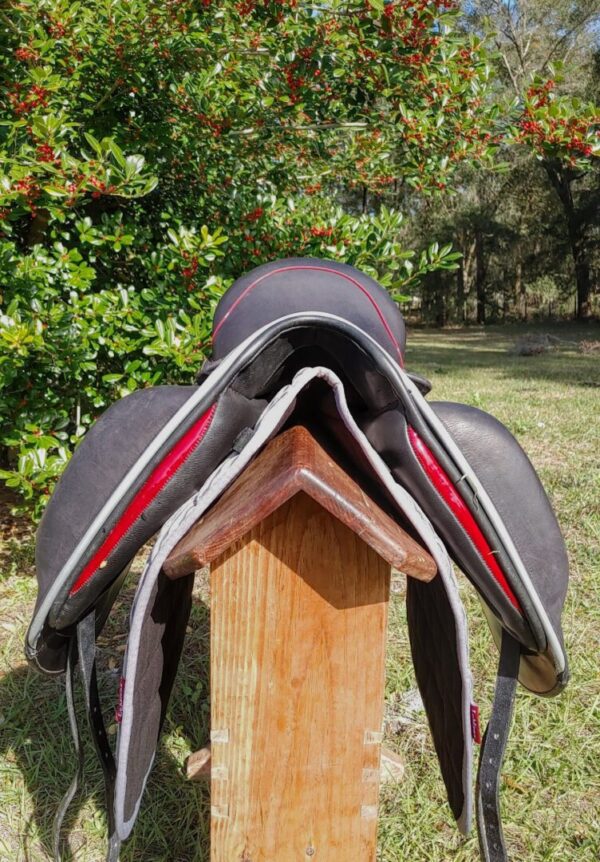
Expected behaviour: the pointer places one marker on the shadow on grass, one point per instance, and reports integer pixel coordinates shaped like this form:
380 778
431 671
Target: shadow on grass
467 350
174 820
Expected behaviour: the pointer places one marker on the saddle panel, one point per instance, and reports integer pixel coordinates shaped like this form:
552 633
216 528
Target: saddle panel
115 441
421 464
391 435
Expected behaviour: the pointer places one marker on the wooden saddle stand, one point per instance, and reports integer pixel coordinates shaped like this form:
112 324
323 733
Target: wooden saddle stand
300 563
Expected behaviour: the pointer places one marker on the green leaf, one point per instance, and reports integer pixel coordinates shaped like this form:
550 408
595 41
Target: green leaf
112 378
117 153
94 144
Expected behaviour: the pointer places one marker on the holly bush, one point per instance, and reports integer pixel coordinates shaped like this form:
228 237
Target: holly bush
557 128
153 150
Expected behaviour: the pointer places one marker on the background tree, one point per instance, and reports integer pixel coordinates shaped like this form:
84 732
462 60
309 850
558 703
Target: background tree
525 250
152 150
548 64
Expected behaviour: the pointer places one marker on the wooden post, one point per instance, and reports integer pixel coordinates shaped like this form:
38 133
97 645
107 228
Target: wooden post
300 572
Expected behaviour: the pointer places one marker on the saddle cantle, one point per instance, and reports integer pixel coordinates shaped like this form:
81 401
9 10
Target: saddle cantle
317 343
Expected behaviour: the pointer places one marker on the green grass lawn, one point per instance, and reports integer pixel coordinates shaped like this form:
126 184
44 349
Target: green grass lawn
551 792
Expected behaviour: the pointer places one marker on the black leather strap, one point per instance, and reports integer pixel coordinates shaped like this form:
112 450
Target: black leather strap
86 636
82 649
491 838
74 725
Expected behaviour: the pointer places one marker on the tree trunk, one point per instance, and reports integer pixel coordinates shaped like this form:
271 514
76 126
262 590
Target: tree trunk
463 277
480 273
520 292
460 291
576 229
583 277
440 306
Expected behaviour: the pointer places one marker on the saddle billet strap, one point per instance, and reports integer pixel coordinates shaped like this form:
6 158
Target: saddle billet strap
86 638
74 725
491 838
83 650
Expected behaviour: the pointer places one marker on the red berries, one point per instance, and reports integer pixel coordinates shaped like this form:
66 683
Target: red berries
322 232
26 54
24 103
255 214
45 153
572 133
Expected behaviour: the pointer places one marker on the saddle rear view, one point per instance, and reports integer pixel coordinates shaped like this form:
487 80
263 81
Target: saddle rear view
317 344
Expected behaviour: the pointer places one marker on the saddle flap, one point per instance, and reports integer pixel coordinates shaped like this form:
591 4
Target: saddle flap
514 487
495 519
101 514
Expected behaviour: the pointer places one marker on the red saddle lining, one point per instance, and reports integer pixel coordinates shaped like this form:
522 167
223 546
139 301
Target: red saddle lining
445 488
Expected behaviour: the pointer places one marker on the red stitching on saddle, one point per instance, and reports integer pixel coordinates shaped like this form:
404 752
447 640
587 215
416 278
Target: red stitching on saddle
458 507
157 480
315 269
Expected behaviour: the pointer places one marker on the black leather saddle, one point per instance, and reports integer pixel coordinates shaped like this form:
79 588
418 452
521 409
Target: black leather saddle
317 343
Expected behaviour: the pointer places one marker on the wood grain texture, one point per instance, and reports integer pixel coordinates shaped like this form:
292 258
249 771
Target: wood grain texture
298 625
291 463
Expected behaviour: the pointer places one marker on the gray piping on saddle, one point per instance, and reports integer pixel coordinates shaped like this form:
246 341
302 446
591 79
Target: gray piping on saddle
272 419
224 374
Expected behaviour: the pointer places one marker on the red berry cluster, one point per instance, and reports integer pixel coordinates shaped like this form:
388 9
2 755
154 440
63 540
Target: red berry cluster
28 187
26 54
56 29
322 232
24 103
572 133
190 270
539 93
45 153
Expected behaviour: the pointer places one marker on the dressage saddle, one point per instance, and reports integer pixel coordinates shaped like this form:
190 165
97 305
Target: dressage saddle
312 342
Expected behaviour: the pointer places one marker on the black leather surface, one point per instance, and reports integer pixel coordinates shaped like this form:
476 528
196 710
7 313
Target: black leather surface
163 634
433 644
111 446
306 284
489 819
233 414
388 434
510 480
